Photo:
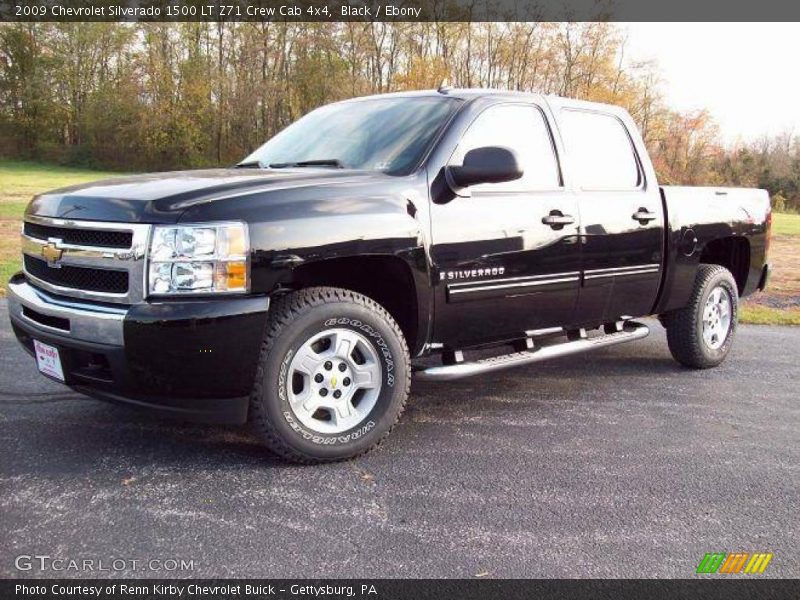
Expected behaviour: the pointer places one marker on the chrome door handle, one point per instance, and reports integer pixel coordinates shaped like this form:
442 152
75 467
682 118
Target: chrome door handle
556 219
644 216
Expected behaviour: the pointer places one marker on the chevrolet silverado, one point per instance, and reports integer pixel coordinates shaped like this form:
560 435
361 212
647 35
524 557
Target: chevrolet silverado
299 289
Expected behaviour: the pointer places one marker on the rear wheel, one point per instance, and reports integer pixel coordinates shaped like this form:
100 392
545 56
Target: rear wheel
700 335
333 377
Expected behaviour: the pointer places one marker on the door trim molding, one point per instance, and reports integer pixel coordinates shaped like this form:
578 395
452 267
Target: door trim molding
622 271
498 287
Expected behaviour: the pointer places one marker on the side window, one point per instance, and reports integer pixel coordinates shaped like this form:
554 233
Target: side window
522 128
600 151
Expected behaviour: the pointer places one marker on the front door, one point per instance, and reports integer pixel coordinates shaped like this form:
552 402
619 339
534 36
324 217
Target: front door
506 254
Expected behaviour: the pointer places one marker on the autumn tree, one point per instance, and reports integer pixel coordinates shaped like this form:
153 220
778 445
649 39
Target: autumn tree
161 95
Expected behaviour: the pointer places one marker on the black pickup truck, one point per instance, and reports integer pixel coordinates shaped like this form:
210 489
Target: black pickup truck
298 289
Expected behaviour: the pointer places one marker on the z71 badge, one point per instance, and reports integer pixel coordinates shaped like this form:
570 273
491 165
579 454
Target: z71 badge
469 273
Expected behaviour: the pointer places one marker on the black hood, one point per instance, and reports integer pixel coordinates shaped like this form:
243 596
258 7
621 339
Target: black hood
164 197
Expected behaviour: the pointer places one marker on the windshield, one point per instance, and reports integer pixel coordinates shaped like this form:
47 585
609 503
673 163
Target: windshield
381 134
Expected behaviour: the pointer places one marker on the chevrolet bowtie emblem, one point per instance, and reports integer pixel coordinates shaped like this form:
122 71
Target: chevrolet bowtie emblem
52 253
333 381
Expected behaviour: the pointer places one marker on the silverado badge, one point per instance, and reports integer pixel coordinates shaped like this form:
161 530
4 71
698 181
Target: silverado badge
468 273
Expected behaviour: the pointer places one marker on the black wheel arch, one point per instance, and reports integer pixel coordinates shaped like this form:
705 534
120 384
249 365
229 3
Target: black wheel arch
399 284
731 252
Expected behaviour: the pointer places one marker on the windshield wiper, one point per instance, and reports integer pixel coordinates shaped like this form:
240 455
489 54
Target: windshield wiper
322 162
252 164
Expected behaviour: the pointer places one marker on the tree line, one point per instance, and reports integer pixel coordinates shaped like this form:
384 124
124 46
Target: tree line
181 95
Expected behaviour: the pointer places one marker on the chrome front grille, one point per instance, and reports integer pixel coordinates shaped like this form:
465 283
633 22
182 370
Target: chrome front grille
86 259
111 281
81 237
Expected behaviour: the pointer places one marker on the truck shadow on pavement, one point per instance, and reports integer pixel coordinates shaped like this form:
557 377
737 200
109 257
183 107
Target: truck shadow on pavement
80 434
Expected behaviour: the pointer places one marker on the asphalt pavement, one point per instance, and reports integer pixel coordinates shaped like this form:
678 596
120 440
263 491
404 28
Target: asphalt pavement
618 463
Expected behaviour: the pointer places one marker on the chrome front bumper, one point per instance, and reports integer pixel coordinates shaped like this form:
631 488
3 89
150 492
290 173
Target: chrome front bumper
195 359
96 323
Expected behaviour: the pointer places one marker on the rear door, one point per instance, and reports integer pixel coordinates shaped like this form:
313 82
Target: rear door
622 220
506 254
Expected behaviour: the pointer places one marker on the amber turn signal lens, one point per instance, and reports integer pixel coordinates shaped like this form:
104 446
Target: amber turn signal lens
231 276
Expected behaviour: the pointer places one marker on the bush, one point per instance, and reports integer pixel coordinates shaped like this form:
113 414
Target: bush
778 203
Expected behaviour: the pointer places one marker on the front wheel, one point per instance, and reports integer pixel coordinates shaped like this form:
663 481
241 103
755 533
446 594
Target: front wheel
700 335
333 376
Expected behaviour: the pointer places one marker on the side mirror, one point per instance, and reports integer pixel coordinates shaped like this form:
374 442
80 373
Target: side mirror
490 164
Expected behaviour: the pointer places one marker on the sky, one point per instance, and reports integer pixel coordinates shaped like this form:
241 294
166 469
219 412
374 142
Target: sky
745 74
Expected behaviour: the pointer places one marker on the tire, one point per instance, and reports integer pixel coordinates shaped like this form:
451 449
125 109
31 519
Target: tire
365 385
692 342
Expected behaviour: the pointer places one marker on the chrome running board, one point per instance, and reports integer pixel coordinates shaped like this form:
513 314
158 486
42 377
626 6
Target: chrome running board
618 333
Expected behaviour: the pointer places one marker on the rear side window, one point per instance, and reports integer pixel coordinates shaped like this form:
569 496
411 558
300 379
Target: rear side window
600 151
521 127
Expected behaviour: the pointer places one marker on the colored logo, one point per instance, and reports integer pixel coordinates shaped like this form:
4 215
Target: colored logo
734 562
52 253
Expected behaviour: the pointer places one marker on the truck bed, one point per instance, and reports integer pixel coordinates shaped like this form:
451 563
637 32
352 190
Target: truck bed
697 218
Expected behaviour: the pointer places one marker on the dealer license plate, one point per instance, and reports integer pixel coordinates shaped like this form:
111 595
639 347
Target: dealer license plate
48 360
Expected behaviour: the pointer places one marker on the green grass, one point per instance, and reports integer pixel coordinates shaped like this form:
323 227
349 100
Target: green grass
7 269
758 314
12 210
20 180
785 224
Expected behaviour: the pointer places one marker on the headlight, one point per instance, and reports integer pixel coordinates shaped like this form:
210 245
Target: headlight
198 259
